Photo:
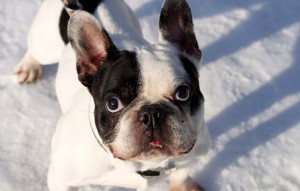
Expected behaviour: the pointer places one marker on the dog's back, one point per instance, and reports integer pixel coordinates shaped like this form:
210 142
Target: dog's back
48 33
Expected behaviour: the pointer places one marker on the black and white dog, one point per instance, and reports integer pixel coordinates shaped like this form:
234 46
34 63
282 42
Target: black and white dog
137 115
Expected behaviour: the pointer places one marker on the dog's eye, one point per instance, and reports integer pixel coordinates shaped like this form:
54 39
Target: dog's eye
114 105
182 93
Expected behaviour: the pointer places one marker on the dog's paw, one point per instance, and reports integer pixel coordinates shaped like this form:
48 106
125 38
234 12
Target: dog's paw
187 185
28 70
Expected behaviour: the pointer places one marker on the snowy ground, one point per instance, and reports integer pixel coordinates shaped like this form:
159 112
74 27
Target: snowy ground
250 77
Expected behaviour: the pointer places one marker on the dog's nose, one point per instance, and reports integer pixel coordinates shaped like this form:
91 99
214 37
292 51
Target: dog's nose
153 115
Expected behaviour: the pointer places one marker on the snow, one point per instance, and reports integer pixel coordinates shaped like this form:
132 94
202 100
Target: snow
249 76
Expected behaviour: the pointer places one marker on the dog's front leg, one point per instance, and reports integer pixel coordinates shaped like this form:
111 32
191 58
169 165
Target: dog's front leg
55 185
180 181
62 188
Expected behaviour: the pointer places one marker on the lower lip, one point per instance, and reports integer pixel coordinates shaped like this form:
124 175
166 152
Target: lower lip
151 152
155 148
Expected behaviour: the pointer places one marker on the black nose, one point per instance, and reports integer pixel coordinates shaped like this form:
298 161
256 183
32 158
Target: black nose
153 115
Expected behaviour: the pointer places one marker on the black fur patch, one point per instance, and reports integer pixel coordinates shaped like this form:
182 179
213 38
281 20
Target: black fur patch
197 97
63 25
119 76
88 5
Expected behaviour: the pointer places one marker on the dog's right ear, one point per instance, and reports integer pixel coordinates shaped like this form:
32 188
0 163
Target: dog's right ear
91 44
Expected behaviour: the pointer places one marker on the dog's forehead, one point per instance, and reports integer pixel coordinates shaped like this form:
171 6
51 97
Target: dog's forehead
161 70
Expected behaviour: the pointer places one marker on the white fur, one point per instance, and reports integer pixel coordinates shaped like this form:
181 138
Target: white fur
77 158
159 65
45 24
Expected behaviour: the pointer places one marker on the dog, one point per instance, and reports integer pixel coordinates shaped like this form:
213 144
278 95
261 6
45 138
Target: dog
132 112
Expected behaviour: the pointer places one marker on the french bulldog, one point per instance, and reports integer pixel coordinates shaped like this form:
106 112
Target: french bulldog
132 112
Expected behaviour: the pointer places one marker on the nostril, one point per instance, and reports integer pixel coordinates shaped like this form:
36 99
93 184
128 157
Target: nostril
145 118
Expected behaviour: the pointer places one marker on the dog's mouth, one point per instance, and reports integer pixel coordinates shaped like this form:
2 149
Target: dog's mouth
156 144
157 149
152 150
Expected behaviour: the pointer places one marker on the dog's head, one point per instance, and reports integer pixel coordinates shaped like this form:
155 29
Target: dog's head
148 104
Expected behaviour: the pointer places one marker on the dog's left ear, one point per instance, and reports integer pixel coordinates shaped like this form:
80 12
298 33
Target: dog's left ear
91 44
176 26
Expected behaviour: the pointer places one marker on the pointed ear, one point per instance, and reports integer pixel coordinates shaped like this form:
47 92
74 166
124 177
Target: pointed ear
91 44
176 26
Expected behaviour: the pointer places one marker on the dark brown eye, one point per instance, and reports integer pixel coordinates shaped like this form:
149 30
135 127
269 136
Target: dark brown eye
182 93
113 104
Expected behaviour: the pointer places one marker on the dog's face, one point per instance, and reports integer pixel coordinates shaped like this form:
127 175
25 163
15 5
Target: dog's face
148 104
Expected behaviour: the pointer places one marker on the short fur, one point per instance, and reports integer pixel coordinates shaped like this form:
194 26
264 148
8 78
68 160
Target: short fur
133 112
89 6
